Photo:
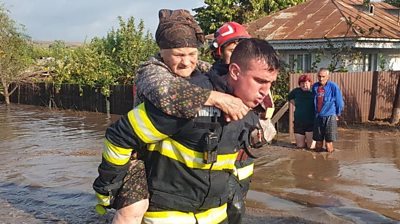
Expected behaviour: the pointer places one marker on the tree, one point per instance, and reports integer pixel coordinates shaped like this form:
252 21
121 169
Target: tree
14 54
393 2
83 66
127 46
216 12
280 89
104 61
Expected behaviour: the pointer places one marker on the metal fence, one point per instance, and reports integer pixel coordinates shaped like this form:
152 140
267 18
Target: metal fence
367 95
70 96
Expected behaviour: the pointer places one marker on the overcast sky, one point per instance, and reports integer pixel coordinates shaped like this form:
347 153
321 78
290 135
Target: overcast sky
77 20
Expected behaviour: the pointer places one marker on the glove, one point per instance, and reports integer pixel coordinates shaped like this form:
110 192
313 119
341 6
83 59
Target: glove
103 202
257 138
107 186
252 140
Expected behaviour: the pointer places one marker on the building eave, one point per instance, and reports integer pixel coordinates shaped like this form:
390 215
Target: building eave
357 43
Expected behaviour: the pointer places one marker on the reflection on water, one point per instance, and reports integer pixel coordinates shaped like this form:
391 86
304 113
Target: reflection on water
360 182
50 160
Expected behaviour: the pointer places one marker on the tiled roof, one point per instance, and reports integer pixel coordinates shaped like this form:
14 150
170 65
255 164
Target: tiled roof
319 19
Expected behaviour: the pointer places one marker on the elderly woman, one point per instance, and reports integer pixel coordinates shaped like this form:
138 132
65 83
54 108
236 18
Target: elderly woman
303 100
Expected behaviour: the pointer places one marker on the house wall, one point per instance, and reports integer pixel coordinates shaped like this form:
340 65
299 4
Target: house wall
385 60
324 57
371 60
394 62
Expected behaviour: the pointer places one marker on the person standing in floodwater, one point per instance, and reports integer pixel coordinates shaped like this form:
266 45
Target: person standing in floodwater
303 100
329 105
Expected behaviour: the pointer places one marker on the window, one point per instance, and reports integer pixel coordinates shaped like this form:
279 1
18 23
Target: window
291 62
371 9
307 62
300 62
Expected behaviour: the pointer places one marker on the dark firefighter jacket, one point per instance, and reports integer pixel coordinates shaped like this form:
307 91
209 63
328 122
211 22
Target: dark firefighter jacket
244 166
173 150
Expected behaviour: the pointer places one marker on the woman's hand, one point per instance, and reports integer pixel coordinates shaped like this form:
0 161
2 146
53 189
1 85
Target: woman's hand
233 107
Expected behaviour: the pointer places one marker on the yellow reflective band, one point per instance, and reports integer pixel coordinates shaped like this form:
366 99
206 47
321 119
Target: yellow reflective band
214 215
103 199
116 155
169 217
191 158
244 172
211 216
142 125
226 161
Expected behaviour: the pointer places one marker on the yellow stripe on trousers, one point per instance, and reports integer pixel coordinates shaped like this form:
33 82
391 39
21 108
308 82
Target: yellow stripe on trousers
211 216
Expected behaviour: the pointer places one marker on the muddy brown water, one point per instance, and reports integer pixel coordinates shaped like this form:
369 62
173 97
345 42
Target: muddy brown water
50 159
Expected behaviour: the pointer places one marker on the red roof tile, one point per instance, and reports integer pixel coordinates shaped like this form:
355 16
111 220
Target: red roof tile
319 19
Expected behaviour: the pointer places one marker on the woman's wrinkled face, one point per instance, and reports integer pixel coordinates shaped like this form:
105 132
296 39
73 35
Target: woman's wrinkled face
182 61
305 86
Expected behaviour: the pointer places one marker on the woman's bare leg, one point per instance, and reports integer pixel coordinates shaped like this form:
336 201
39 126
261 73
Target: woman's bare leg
132 214
300 140
309 141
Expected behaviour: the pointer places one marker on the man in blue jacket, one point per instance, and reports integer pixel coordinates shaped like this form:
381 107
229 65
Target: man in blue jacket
329 104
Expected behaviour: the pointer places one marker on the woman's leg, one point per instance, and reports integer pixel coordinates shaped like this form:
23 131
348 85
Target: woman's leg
309 141
300 140
132 200
131 214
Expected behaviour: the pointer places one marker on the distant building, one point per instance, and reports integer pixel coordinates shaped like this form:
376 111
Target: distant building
344 34
42 43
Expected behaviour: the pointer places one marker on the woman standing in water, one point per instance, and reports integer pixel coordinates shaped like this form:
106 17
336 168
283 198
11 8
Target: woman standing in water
303 100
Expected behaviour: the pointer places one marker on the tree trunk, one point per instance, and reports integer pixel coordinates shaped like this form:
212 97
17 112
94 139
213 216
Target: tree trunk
396 105
7 99
6 95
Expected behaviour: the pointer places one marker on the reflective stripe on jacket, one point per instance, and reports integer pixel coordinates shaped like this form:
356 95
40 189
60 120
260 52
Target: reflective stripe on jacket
173 150
211 216
244 172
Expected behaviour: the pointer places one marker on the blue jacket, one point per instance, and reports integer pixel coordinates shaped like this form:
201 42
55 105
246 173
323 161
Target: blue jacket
333 101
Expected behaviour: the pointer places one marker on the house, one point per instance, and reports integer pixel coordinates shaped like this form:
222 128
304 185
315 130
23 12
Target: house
345 35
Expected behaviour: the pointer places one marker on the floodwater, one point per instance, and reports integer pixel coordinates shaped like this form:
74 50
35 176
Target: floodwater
50 159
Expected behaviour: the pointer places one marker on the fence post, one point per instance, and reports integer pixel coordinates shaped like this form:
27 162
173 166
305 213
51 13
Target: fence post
374 95
395 118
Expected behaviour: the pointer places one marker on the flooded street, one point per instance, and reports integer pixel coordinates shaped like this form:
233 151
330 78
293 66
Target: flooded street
50 160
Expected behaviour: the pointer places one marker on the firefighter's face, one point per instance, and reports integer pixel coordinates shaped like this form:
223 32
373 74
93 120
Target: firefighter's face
227 52
251 82
182 61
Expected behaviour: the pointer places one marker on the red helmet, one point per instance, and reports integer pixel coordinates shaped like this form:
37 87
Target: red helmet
227 33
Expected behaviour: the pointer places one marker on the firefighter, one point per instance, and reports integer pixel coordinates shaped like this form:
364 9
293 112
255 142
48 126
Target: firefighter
226 38
189 161
163 81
